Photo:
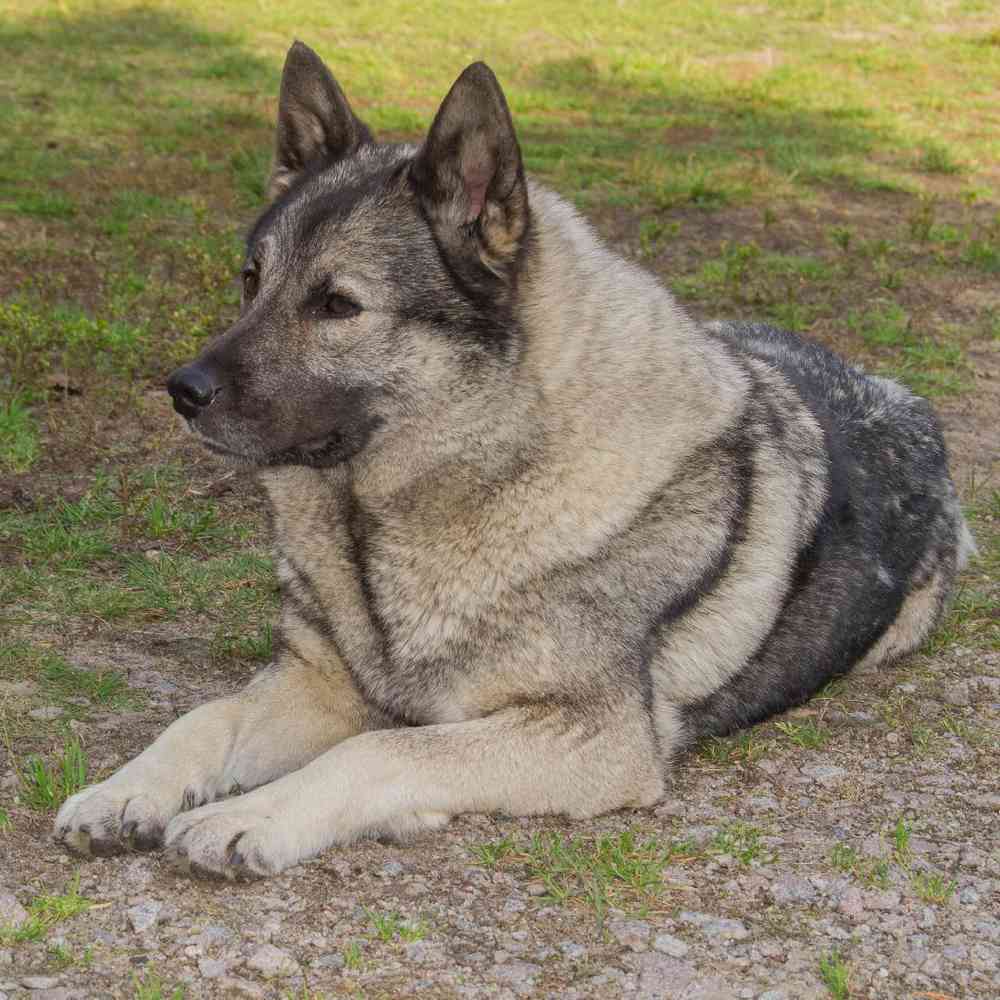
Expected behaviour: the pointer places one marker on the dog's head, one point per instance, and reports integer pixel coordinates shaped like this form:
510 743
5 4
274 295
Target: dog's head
379 283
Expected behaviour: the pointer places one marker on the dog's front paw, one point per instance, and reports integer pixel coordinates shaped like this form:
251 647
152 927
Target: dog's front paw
112 817
239 838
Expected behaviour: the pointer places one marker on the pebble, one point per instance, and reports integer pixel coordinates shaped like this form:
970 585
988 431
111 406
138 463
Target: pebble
716 927
271 961
332 960
40 982
211 968
634 934
144 916
792 889
824 774
12 913
957 694
572 951
517 973
662 976
391 869
46 713
670 945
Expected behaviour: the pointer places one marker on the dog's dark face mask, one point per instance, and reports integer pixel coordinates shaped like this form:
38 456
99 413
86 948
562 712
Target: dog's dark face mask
380 282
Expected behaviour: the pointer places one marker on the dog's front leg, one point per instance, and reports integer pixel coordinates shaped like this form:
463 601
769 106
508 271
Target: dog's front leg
528 760
284 718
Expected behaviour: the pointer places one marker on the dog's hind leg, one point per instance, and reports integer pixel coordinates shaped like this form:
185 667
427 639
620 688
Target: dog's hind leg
579 760
284 718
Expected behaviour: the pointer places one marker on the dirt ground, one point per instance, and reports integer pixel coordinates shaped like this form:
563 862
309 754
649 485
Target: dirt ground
874 854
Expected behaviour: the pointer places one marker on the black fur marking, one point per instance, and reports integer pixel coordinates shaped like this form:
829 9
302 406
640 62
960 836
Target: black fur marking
311 611
852 577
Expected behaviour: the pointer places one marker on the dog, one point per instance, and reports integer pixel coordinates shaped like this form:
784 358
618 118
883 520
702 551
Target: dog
538 531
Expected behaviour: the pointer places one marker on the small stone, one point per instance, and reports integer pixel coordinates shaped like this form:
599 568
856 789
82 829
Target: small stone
824 774
662 976
536 889
773 995
211 968
957 694
792 889
391 869
12 913
887 899
516 973
332 960
634 934
968 896
423 952
572 951
670 945
47 713
153 554
40 982
240 987
852 903
214 936
145 916
716 927
271 961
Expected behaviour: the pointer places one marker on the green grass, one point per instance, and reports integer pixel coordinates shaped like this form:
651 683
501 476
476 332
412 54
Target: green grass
625 871
390 926
46 786
743 748
151 986
44 912
807 734
136 547
19 447
933 887
353 956
740 841
835 975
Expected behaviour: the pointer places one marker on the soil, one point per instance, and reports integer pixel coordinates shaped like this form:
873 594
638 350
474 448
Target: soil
719 928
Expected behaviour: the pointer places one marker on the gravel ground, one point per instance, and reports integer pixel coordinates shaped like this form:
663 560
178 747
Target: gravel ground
875 854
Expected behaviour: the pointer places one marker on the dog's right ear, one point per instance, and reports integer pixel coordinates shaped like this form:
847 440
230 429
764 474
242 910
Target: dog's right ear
315 122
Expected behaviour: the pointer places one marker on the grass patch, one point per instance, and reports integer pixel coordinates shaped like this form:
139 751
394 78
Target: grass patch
151 986
740 841
933 887
19 446
742 748
391 926
46 787
807 734
835 975
625 871
44 912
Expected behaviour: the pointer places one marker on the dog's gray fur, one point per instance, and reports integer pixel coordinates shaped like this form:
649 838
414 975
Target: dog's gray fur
537 530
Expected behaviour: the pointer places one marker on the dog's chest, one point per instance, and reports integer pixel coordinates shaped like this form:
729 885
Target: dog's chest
409 623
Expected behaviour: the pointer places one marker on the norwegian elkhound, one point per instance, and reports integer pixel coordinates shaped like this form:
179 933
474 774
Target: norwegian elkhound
537 529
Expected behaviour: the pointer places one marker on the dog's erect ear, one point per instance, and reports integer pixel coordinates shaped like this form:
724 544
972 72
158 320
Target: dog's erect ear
468 172
315 122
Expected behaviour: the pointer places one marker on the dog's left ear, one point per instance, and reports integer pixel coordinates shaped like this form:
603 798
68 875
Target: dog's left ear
315 122
469 173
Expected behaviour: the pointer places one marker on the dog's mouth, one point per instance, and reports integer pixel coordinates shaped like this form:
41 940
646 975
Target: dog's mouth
319 452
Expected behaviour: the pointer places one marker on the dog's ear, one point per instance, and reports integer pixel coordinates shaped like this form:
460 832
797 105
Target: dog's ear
315 122
469 173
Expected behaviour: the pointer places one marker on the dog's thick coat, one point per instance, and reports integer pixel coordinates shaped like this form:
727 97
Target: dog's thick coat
537 530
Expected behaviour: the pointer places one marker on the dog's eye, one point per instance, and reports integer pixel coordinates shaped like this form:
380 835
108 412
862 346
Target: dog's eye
340 307
251 282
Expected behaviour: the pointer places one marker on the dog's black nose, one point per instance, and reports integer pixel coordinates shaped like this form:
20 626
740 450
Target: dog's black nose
192 388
